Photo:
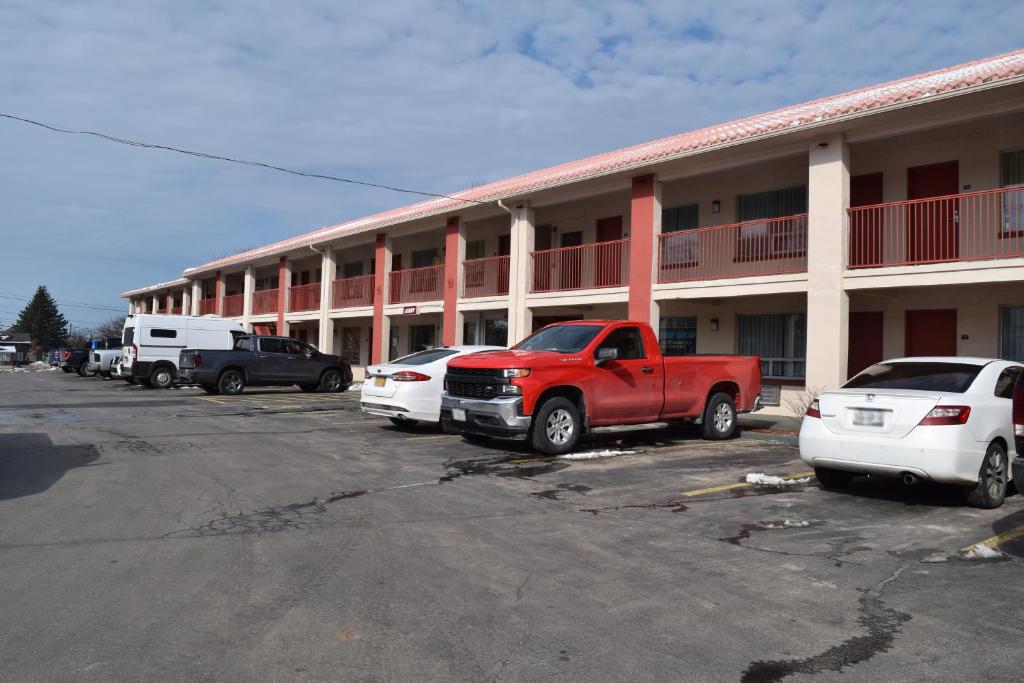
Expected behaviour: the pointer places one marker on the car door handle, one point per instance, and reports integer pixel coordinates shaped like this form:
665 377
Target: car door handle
647 370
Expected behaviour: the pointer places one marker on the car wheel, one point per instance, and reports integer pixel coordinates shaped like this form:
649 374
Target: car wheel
556 427
331 382
990 491
403 424
231 382
719 418
162 377
833 479
210 388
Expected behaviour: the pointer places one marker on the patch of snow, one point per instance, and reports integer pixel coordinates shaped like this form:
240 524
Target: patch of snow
980 551
592 455
787 524
762 479
355 386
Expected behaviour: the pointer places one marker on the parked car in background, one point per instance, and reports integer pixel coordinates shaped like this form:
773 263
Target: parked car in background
569 379
264 361
100 359
1018 432
152 344
408 390
942 419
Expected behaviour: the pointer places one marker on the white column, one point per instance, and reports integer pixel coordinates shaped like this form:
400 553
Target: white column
186 300
131 306
222 289
156 303
328 271
248 287
197 294
828 305
520 318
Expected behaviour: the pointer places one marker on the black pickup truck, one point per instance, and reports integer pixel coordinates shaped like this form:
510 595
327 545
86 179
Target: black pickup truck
263 361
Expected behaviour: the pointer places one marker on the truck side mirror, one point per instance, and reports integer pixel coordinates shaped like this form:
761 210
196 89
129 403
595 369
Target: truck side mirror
605 354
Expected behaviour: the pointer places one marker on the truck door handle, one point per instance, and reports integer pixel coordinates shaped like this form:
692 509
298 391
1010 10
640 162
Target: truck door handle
646 370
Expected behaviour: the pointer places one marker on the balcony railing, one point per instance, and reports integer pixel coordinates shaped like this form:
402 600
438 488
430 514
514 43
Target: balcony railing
264 301
233 305
972 226
416 284
350 292
485 277
176 310
772 246
589 266
304 297
207 306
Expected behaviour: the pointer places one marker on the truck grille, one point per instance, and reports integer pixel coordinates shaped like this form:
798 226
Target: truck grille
473 382
471 390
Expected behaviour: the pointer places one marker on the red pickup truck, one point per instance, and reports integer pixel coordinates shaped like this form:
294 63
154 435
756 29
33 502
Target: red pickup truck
572 378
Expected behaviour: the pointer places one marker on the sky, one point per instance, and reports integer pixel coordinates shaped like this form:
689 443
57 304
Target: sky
434 96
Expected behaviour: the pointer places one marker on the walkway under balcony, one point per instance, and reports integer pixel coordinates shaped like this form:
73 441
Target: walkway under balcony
771 246
416 284
352 292
264 301
304 298
588 266
485 277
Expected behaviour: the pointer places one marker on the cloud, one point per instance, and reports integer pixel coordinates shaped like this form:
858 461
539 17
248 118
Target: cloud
431 95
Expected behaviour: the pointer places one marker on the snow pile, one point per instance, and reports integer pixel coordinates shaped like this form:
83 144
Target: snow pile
38 365
355 386
787 524
592 455
762 479
980 551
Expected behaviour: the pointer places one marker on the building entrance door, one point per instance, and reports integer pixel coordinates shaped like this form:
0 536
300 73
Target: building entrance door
865 341
933 228
930 332
608 261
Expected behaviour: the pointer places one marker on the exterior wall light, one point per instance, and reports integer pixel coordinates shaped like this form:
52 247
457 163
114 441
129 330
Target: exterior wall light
716 206
714 324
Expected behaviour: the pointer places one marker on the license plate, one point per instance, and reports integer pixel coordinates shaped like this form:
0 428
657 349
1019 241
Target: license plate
379 381
868 418
459 414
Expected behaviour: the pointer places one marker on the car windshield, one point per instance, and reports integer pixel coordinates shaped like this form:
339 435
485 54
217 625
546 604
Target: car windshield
561 338
424 357
953 378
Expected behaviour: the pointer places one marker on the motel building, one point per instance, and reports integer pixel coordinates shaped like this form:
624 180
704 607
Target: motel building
823 237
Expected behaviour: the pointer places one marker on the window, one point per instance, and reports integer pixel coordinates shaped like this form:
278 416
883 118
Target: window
128 336
678 336
393 343
772 239
243 344
353 269
954 378
350 344
421 337
1007 380
163 334
294 346
1011 333
474 274
1012 175
496 332
272 345
627 341
425 280
780 340
475 249
679 250
424 258
562 338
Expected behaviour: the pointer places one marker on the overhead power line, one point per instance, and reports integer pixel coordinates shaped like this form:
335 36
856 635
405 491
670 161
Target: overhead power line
72 304
243 162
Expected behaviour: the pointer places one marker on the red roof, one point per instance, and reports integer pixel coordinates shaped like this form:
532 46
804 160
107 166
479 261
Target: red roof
912 89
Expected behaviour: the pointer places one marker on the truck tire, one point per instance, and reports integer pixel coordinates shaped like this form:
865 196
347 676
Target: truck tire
719 418
231 382
331 382
556 426
162 377
84 371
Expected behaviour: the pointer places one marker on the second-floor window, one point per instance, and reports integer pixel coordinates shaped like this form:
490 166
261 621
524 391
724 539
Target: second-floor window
772 239
1012 175
679 250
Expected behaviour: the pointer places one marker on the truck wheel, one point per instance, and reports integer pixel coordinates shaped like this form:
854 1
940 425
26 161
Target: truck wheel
231 382
719 418
332 382
162 377
556 426
990 491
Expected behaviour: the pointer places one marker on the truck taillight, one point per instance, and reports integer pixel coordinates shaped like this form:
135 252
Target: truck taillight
135 353
196 360
410 376
65 355
1018 408
946 415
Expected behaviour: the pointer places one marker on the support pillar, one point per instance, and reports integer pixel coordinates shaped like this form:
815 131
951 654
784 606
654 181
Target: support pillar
828 305
197 295
644 228
169 299
284 284
521 242
328 271
186 299
221 286
454 255
381 323
156 303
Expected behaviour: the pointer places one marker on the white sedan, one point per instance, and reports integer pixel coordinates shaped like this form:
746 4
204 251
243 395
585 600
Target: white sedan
943 419
408 390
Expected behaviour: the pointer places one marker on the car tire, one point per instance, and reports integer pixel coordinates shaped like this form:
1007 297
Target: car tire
403 424
556 426
162 377
719 418
835 480
990 491
332 381
210 388
231 382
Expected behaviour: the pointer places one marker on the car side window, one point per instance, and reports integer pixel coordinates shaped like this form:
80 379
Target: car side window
1007 379
295 346
628 341
243 344
271 346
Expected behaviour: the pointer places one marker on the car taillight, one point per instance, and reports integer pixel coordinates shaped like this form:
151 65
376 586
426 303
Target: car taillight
813 410
410 376
135 353
1018 408
946 415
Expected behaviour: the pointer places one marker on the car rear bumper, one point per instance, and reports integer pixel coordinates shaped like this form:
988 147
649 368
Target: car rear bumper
947 454
501 417
372 405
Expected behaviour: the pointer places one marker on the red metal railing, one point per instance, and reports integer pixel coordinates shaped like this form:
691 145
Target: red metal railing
176 310
264 301
772 246
207 306
416 284
233 305
485 276
304 297
589 266
988 224
350 292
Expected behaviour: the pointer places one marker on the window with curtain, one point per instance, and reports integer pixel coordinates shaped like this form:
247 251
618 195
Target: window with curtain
1011 333
1011 171
780 340
680 249
678 335
772 239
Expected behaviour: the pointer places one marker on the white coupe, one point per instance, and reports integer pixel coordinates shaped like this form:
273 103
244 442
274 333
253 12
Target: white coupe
943 419
408 390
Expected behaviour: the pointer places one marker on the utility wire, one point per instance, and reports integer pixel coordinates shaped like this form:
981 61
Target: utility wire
243 162
95 307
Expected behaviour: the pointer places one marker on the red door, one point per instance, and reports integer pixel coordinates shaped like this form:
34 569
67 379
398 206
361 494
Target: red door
865 341
933 230
866 226
570 261
608 258
628 390
931 332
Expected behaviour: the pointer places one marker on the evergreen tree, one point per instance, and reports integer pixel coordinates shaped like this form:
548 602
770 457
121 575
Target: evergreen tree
42 321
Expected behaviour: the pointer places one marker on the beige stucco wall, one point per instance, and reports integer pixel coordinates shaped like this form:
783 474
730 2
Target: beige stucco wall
583 215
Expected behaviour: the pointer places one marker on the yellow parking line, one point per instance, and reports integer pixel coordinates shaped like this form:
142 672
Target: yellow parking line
740 485
996 541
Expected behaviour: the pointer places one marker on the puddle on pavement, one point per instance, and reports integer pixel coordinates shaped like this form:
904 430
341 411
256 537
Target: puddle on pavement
553 494
672 506
510 465
747 529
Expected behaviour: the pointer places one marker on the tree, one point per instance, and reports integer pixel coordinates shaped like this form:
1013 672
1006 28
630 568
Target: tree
110 328
42 321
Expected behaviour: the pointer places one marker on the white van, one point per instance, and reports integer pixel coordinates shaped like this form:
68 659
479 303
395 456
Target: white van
152 344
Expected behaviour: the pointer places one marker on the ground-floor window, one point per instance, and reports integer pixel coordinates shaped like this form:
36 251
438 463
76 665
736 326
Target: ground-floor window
350 344
496 332
1011 333
678 335
421 338
780 340
393 352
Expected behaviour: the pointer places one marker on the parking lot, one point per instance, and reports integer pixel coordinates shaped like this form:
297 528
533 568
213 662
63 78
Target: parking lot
280 535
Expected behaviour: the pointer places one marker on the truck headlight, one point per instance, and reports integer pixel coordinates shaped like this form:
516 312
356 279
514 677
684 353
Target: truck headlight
510 390
511 373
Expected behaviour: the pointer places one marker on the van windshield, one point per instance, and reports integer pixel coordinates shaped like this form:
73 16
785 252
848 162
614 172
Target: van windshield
561 338
953 378
128 336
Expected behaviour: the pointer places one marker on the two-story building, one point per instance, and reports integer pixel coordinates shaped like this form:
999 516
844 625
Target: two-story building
825 236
